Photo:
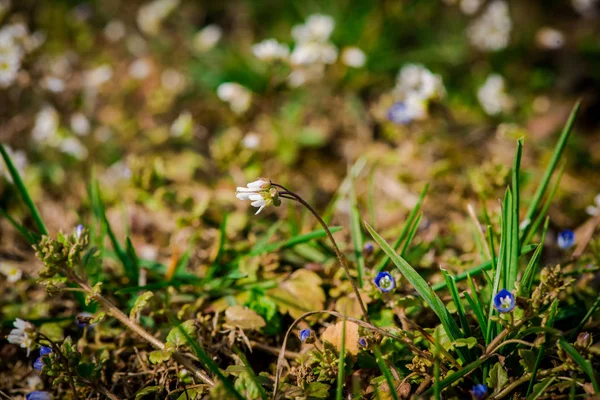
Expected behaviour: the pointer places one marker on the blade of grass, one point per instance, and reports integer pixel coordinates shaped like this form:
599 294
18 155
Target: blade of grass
454 376
540 356
22 230
357 234
556 155
585 365
477 311
542 388
436 365
386 372
293 241
339 393
460 310
18 182
405 229
262 242
515 246
242 356
424 290
527 279
411 235
210 364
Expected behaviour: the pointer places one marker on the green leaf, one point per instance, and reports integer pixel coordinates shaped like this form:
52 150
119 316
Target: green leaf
456 299
498 378
85 370
421 287
527 359
584 364
539 388
160 356
140 303
176 336
528 275
454 376
18 182
293 241
96 290
318 390
386 371
148 390
470 342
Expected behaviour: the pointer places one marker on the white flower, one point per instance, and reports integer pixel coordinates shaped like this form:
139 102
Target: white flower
151 15
19 160
207 38
318 27
22 334
73 147
270 50
251 141
492 95
314 53
412 108
470 7
238 97
415 79
53 84
491 31
9 68
140 69
595 209
584 7
172 80
354 57
305 74
46 125
114 30
97 76
12 273
260 192
182 125
549 38
80 125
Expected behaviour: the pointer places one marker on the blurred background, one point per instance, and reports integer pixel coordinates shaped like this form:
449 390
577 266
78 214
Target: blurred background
171 104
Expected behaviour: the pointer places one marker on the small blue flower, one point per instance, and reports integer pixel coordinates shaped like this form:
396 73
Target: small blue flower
368 248
38 364
384 281
305 334
79 231
362 342
38 395
83 319
504 301
479 391
45 350
566 239
398 113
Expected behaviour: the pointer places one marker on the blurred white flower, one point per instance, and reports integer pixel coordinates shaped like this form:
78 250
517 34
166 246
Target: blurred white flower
270 50
46 125
151 15
140 69
73 147
595 209
19 160
10 270
98 76
23 334
34 382
53 84
183 125
136 45
173 80
114 30
412 108
251 141
585 7
80 125
353 57
306 74
492 95
318 28
314 53
238 97
260 192
10 57
491 31
470 7
416 80
550 38
207 38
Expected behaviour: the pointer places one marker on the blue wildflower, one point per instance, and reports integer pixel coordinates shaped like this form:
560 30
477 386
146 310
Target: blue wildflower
479 391
79 231
362 342
384 281
398 113
305 334
45 350
39 395
504 301
566 239
38 364
368 248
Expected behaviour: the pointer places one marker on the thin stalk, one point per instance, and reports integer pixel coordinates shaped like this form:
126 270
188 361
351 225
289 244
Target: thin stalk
286 194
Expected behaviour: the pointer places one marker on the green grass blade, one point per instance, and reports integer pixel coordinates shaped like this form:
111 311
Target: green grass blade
513 254
436 366
357 235
339 393
458 303
540 356
590 312
293 241
411 235
18 182
454 376
541 389
528 275
242 356
262 242
558 150
405 229
386 372
585 365
424 290
477 311
210 364
22 230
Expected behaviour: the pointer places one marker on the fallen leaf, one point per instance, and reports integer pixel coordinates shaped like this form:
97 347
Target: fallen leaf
333 335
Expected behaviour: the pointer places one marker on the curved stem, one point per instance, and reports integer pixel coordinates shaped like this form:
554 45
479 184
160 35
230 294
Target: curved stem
338 253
